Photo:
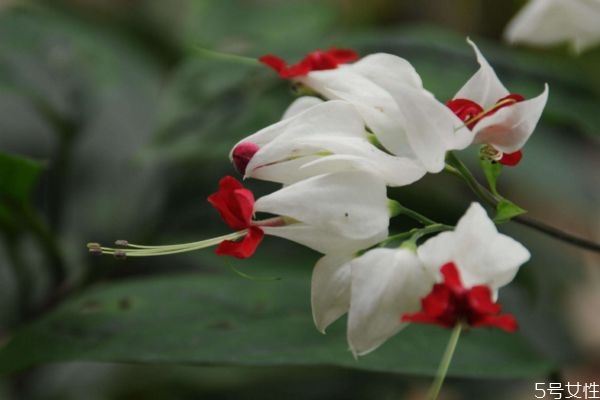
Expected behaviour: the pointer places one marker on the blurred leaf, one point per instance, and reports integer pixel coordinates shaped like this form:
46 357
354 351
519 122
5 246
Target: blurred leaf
224 320
18 176
505 210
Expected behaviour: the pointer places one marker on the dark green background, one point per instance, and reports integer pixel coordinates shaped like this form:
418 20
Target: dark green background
113 127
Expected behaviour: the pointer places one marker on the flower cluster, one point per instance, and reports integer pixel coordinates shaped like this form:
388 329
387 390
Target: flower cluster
373 125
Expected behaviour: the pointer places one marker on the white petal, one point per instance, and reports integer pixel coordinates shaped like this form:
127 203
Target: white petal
374 103
482 255
331 117
385 69
330 289
352 203
437 251
395 171
322 240
386 284
484 87
264 135
350 153
288 172
505 257
299 105
510 127
431 128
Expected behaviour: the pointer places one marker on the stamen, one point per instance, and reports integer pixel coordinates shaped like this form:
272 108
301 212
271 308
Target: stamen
496 106
135 250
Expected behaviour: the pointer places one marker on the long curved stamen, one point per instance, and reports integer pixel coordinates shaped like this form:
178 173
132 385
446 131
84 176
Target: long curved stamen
136 250
482 114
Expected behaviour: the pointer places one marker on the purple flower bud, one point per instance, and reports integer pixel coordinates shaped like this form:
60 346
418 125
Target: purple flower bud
242 154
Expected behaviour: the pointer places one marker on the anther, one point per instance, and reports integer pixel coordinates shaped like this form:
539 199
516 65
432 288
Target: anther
122 243
490 153
120 254
96 251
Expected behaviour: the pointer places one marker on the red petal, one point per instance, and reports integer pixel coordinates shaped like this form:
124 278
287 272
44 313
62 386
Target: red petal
320 60
242 154
452 278
422 318
437 302
234 203
300 69
315 61
479 299
511 159
343 56
465 110
274 62
506 322
243 248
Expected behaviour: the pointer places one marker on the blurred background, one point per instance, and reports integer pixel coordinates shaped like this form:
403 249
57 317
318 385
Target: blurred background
112 126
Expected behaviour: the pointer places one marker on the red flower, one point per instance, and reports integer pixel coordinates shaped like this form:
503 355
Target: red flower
471 113
450 303
315 61
235 203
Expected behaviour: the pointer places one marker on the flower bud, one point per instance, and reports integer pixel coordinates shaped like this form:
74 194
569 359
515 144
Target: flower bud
242 154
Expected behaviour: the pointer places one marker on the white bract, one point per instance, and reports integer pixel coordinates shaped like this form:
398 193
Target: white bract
482 255
318 137
552 22
335 213
389 95
386 284
509 127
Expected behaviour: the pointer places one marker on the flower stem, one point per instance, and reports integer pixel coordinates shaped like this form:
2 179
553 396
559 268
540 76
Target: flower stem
457 168
217 55
440 376
417 233
399 209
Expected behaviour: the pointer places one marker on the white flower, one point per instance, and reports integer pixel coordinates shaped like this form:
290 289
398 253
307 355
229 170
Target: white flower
336 213
551 22
388 93
512 119
382 285
482 255
320 137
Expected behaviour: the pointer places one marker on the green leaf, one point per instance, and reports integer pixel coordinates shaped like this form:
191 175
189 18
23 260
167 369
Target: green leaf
18 176
492 171
221 319
506 210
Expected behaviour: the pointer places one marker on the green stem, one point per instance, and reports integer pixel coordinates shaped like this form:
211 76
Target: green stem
217 55
417 233
399 209
457 168
440 376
